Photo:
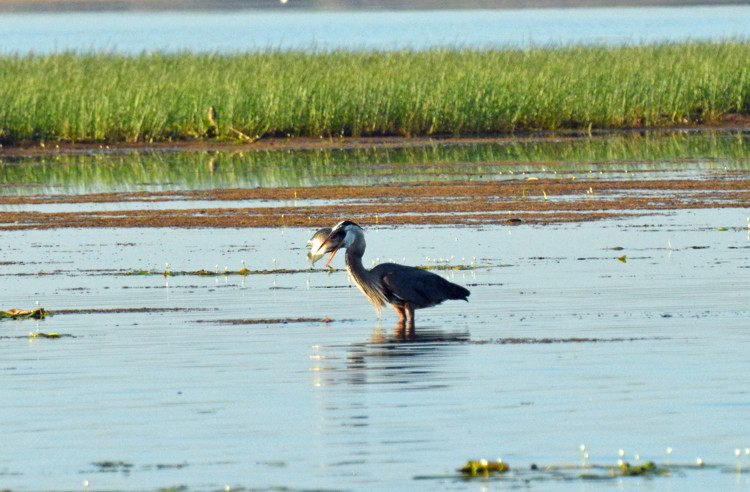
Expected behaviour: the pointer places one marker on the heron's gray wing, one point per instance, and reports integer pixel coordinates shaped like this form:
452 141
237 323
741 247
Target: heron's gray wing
417 287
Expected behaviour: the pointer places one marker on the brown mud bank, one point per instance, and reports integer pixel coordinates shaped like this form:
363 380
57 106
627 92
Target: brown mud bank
522 200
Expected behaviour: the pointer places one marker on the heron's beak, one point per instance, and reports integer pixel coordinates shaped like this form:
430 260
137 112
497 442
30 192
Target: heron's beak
330 245
333 253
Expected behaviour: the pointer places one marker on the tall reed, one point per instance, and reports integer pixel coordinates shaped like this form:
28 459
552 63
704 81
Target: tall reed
454 91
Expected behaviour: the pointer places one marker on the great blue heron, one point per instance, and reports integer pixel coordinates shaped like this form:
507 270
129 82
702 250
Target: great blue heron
315 242
405 288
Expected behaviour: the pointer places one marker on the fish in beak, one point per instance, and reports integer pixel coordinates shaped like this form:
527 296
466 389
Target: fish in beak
315 244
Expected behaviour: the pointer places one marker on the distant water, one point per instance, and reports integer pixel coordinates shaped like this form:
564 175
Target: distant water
222 31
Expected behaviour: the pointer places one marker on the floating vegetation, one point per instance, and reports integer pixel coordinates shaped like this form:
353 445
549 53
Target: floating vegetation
222 273
648 468
605 472
266 321
127 310
39 313
38 335
113 466
170 466
484 467
499 469
46 335
49 335
448 267
528 340
277 271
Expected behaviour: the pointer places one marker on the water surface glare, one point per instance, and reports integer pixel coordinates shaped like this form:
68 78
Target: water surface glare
143 400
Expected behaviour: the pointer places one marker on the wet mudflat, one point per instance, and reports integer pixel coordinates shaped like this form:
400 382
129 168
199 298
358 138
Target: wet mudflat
626 333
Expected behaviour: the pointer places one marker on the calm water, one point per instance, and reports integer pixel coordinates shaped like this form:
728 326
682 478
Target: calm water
140 400
134 32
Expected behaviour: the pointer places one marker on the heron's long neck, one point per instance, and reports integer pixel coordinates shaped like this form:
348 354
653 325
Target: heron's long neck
370 286
355 267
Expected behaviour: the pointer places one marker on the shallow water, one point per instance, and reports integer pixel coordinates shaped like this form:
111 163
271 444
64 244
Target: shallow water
232 31
179 398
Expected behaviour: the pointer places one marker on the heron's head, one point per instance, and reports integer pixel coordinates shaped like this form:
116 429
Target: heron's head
343 235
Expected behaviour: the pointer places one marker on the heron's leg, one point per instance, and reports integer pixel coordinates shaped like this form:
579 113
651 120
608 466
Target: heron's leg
402 330
401 313
410 310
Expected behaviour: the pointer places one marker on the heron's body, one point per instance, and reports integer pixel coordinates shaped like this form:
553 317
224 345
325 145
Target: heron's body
405 288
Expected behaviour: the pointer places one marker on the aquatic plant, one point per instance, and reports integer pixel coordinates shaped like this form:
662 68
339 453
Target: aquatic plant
444 91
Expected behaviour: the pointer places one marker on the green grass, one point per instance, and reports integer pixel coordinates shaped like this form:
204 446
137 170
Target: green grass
158 97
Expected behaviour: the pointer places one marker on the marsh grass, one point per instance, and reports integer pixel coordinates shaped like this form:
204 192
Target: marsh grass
161 97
